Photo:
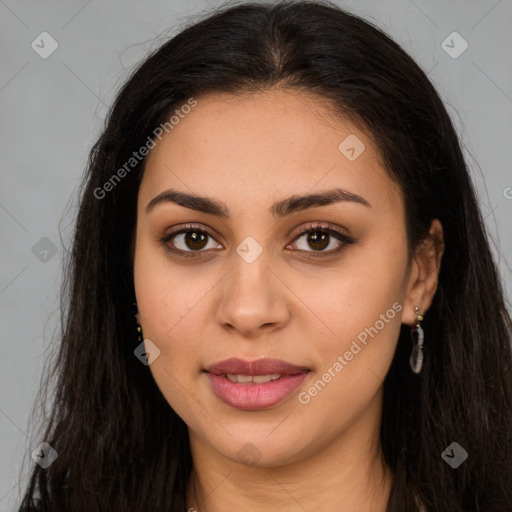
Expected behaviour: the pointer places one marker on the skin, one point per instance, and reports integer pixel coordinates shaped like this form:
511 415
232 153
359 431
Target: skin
249 151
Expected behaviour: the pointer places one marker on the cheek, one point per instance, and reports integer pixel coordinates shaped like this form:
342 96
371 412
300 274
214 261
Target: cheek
169 296
353 296
351 366
171 301
362 305
168 320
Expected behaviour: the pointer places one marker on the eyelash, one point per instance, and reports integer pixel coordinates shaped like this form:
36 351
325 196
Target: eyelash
312 228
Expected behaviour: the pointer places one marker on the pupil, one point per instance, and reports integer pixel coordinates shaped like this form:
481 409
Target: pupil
195 240
317 241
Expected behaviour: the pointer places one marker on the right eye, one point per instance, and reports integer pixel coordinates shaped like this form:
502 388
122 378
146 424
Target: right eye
187 239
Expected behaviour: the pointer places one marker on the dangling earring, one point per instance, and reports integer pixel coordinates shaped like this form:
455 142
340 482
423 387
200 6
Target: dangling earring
146 351
139 327
416 359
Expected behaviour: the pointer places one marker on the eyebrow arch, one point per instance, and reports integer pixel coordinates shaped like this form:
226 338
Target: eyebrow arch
279 209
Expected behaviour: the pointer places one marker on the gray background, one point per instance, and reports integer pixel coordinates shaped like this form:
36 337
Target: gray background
52 110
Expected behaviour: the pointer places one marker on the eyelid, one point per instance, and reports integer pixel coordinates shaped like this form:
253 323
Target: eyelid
328 228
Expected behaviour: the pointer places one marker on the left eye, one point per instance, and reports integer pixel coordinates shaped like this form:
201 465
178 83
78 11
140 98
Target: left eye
319 238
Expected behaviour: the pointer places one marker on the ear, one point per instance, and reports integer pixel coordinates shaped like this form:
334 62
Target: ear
424 273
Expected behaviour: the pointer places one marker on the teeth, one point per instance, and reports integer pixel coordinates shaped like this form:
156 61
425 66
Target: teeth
261 379
257 379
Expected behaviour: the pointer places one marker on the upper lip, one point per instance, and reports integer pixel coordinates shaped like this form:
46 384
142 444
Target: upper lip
263 366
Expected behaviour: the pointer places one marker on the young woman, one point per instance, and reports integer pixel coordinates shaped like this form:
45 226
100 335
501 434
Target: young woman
281 295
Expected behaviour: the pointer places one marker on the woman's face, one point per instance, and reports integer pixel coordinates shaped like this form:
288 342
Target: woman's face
243 283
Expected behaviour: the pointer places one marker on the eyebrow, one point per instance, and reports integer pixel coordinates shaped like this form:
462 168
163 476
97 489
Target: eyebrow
279 209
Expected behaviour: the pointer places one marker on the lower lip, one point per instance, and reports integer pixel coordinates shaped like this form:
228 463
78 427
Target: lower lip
254 397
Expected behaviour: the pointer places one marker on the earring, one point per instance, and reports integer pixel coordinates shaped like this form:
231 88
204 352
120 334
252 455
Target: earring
139 327
416 359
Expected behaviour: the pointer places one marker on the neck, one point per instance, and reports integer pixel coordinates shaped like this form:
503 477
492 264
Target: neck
346 474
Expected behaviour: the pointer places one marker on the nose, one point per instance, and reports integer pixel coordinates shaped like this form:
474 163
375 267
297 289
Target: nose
254 301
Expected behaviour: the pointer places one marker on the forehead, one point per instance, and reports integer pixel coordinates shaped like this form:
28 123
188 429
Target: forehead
255 148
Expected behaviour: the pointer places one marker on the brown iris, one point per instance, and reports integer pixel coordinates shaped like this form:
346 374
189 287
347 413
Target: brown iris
318 240
195 240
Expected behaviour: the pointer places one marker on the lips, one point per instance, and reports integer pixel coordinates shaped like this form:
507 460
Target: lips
257 367
254 385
